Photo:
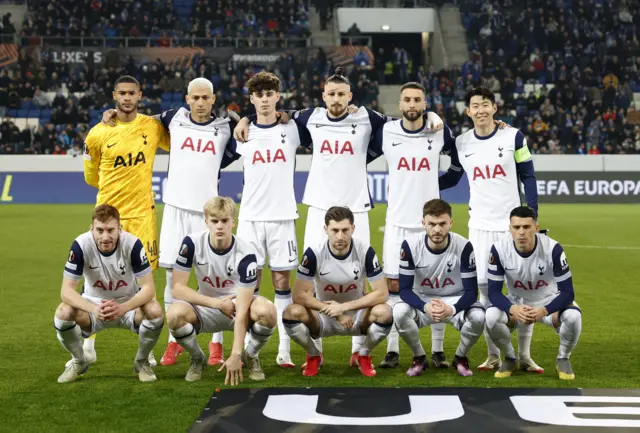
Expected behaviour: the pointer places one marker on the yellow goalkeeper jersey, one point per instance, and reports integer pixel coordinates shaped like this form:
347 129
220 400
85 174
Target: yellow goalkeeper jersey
119 162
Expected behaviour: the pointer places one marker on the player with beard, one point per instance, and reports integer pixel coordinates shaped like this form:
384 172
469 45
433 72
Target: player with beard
338 174
118 162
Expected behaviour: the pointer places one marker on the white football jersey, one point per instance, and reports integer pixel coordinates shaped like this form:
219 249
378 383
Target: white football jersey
437 273
340 279
196 155
219 274
108 276
490 163
269 168
413 158
338 173
533 277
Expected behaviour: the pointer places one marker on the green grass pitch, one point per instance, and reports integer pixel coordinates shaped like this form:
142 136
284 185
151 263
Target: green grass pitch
35 241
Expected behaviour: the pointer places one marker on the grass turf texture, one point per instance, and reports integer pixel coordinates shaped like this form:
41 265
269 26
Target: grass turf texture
36 240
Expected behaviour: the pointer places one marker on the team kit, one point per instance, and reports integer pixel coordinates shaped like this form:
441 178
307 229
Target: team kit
430 276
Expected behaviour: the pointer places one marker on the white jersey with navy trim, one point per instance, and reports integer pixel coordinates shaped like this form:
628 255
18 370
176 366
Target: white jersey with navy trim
338 173
340 279
108 276
534 276
195 159
494 187
437 273
269 167
219 273
413 158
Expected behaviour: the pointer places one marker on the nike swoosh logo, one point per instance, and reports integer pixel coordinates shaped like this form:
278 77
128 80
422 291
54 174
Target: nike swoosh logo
396 144
509 269
94 267
467 155
201 264
320 126
111 145
325 273
292 260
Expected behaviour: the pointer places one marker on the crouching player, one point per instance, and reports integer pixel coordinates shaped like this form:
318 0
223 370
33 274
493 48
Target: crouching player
337 270
438 283
118 292
226 270
539 289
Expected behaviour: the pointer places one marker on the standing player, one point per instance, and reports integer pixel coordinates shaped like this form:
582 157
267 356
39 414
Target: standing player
338 173
413 156
119 162
268 209
226 269
496 161
337 271
539 289
118 292
438 284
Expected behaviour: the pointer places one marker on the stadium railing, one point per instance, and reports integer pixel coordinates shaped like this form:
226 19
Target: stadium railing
160 41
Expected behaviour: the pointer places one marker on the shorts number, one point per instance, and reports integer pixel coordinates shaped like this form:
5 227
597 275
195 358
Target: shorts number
152 248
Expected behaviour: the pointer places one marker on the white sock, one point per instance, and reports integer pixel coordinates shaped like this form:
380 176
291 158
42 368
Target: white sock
217 338
89 344
281 301
318 343
524 340
171 337
300 333
357 343
168 296
393 340
492 349
70 336
403 317
500 333
186 337
258 337
148 337
471 331
437 337
375 334
570 329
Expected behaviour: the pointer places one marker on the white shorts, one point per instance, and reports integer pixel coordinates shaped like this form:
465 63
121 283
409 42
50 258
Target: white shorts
314 234
330 327
125 322
393 299
176 224
457 320
274 239
212 319
482 241
393 238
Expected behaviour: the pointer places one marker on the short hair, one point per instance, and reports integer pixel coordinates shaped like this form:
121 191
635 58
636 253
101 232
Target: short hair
523 212
413 85
338 77
436 207
263 82
104 213
480 91
220 207
126 79
200 82
337 214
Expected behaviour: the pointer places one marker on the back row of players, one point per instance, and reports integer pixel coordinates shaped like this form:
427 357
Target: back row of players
493 157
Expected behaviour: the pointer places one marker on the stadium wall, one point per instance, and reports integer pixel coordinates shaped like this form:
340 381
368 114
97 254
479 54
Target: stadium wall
561 179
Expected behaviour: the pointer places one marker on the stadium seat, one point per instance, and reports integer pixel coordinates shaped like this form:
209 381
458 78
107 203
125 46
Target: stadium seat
22 112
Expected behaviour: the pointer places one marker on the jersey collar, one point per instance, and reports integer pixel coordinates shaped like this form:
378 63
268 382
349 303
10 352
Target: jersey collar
426 242
337 119
213 118
495 131
530 253
112 252
338 257
424 123
226 251
261 126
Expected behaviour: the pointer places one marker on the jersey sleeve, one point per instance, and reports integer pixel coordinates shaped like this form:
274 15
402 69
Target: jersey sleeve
407 277
230 153
375 149
139 260
184 262
301 117
92 155
377 120
455 171
164 140
248 271
495 280
166 118
469 279
562 276
526 172
308 266
372 265
75 263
